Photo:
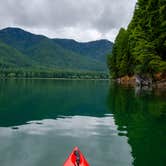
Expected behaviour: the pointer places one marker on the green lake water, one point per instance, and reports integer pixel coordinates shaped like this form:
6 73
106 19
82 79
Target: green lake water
41 121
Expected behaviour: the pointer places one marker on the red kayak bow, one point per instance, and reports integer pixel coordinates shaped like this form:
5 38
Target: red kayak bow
76 158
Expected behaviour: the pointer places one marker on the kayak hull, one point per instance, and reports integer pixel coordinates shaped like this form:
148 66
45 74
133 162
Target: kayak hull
71 161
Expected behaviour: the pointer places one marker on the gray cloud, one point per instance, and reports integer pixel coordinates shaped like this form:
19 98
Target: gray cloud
79 19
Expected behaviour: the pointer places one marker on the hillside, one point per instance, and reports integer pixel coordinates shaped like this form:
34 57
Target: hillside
140 50
96 49
51 53
10 57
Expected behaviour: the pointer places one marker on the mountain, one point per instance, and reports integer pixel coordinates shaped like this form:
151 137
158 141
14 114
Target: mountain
95 49
10 57
56 53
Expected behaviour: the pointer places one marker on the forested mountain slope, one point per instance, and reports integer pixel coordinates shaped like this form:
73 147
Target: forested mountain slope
95 49
10 57
50 53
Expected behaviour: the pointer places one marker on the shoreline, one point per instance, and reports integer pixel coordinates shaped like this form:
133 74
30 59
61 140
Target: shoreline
134 82
36 78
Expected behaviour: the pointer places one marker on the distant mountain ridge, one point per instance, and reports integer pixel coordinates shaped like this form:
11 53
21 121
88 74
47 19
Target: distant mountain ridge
41 51
95 49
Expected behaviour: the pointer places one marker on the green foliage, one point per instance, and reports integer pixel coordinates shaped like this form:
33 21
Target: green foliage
141 48
56 53
119 62
95 49
10 57
50 73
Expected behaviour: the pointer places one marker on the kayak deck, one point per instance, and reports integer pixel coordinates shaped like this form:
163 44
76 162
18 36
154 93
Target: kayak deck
76 158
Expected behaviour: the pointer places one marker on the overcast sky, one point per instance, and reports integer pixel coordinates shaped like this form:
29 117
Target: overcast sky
82 20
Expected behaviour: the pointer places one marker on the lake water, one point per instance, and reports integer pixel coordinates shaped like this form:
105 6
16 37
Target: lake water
41 121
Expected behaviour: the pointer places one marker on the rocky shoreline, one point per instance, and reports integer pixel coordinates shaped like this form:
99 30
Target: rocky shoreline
159 81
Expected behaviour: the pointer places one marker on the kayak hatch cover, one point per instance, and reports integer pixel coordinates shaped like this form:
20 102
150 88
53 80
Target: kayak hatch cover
76 158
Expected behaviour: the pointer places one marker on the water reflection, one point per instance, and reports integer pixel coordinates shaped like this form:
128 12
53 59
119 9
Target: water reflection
38 142
25 100
144 119
42 120
76 126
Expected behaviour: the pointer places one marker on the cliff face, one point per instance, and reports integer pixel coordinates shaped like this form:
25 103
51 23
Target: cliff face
160 79
126 80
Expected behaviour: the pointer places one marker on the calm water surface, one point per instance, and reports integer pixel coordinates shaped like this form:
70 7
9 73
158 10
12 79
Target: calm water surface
42 120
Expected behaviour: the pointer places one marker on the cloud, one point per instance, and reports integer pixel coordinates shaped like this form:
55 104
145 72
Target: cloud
82 20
